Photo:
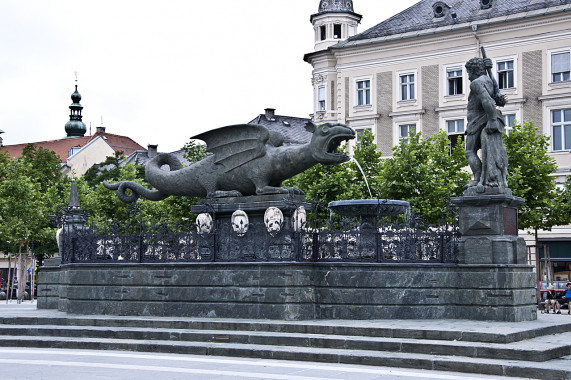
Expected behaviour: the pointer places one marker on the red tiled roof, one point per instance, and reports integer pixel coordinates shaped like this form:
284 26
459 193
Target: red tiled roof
62 146
119 143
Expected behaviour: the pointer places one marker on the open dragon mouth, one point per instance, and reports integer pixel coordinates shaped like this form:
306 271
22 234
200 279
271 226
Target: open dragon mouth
333 145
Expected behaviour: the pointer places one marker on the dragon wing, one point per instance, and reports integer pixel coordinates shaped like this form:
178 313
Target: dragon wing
235 145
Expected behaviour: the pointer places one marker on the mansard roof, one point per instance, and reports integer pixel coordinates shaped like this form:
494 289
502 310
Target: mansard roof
292 128
422 16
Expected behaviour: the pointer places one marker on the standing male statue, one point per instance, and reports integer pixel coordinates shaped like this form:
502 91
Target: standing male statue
484 131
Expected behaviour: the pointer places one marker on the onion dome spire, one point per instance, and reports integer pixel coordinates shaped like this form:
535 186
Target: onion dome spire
75 127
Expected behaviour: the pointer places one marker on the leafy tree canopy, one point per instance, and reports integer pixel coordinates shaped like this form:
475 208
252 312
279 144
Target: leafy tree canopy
328 183
425 172
31 188
529 177
105 171
105 208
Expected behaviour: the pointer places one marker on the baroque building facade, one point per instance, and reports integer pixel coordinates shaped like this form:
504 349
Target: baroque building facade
406 75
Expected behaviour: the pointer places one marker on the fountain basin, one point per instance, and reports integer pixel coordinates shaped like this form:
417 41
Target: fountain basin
368 208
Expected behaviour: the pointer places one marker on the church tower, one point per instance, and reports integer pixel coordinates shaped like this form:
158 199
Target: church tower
334 21
75 127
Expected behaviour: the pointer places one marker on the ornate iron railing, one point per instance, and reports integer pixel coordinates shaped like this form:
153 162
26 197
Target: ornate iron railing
407 241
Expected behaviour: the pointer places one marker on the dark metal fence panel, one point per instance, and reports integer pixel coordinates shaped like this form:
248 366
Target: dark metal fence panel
331 242
256 244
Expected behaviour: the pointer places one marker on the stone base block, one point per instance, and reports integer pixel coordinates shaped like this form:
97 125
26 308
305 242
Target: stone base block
492 250
489 228
294 291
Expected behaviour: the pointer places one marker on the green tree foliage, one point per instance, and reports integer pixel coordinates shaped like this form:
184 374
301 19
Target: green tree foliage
31 188
193 151
425 172
4 160
328 183
44 166
105 208
107 170
102 204
20 207
365 155
564 206
529 177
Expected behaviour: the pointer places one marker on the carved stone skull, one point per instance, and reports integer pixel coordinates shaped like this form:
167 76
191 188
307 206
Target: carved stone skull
240 222
299 219
274 219
204 223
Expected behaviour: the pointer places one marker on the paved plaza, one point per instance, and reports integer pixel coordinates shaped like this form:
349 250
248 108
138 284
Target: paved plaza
85 364
60 364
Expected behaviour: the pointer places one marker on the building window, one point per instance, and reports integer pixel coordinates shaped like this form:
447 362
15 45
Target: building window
439 9
364 92
509 121
505 74
454 76
560 66
337 31
321 98
360 132
455 129
561 129
455 126
486 4
322 32
407 130
407 91
73 150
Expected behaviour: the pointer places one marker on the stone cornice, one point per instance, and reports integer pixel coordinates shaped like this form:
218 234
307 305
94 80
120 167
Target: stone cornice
411 112
554 96
451 108
364 117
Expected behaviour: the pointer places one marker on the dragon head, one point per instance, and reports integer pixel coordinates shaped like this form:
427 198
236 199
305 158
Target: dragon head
326 140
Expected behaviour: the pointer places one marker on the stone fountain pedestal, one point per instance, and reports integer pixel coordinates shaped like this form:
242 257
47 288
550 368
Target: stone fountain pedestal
264 281
489 228
246 230
490 244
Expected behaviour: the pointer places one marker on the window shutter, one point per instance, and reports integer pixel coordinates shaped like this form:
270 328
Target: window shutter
560 62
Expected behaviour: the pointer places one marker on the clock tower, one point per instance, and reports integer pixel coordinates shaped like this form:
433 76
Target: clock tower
335 21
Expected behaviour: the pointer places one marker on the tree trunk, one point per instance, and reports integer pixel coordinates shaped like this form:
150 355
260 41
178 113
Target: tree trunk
21 277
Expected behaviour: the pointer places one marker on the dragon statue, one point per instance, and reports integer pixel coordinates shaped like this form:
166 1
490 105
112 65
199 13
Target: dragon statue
245 159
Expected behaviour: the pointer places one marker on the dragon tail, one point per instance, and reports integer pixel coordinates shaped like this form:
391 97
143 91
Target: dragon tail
137 191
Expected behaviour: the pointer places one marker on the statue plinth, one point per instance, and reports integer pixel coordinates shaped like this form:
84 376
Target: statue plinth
255 228
489 228
256 203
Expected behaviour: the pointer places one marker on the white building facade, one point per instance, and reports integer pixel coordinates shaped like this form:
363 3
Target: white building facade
406 74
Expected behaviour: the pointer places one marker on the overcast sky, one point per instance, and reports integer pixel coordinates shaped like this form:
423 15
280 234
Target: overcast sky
157 71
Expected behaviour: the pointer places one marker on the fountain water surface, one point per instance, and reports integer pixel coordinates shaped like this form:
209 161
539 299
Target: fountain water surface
368 210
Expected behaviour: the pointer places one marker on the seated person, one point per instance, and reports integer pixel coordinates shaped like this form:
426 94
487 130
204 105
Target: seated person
551 299
567 297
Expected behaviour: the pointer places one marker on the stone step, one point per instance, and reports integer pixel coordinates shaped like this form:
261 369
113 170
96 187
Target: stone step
499 367
432 330
536 349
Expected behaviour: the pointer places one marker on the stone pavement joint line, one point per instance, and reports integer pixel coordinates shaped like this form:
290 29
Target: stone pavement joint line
536 349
